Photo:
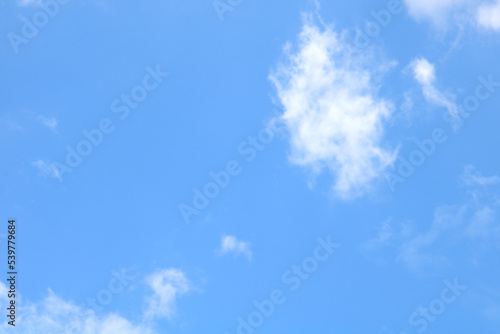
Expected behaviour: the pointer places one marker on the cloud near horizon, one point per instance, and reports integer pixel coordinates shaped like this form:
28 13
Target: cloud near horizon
56 315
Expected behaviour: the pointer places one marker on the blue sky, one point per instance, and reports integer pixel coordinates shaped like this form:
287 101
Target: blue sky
252 166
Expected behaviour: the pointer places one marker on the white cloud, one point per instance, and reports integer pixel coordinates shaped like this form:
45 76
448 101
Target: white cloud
230 244
54 315
167 286
47 169
425 73
332 111
488 16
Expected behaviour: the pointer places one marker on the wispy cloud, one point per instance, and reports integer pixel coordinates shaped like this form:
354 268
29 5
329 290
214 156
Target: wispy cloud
472 178
418 252
475 220
332 109
425 74
167 286
388 233
230 244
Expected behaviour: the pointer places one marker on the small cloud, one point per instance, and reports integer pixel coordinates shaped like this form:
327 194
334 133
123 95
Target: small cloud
425 74
47 169
51 122
167 286
229 244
